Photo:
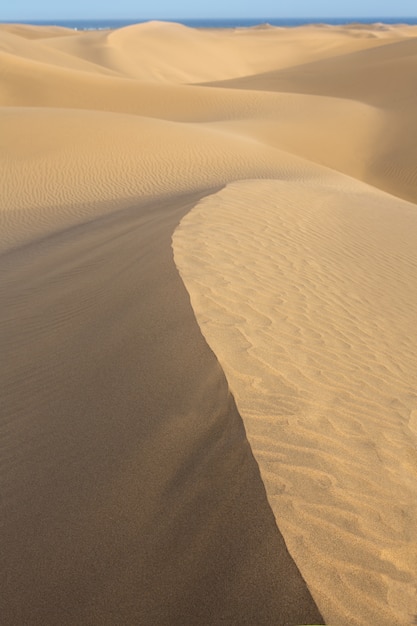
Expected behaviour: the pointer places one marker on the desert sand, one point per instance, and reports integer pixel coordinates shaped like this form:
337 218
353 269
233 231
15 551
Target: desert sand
208 332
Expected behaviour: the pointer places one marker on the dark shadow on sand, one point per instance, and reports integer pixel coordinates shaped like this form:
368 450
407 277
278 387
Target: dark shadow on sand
130 493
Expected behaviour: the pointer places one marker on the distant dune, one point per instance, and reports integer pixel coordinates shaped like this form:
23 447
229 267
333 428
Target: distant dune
209 283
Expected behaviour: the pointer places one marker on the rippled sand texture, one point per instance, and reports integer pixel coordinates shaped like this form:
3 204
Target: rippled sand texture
305 293
129 491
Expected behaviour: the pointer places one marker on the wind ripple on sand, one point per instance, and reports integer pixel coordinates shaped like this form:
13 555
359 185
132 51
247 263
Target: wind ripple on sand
305 294
63 167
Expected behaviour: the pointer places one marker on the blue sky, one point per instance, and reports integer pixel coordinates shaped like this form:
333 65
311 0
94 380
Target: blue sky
44 9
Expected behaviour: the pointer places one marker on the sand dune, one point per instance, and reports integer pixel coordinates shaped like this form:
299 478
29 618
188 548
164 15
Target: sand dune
35 50
305 299
358 75
28 31
158 51
129 489
306 119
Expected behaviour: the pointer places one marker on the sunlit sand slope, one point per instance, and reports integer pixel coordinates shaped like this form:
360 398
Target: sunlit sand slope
305 292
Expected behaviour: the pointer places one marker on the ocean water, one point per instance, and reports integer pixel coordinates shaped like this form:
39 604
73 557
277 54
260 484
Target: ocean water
98 24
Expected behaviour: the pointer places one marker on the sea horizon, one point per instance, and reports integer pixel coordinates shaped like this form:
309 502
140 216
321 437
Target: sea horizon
106 23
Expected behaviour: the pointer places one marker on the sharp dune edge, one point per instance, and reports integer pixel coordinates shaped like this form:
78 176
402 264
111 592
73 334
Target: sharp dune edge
281 163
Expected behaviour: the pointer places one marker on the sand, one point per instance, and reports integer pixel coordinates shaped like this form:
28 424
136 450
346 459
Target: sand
208 291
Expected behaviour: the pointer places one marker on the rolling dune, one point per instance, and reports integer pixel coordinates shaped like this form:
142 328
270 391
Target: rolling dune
130 493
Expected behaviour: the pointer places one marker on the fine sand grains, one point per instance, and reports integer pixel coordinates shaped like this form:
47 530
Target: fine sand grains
305 292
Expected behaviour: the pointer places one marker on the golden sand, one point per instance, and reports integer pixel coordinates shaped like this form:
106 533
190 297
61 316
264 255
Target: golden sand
130 491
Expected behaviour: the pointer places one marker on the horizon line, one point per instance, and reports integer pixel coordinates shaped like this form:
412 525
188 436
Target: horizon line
254 17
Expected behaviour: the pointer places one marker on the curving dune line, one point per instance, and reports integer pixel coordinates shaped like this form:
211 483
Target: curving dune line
129 491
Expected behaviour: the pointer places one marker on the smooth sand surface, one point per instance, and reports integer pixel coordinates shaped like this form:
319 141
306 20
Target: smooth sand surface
130 493
131 490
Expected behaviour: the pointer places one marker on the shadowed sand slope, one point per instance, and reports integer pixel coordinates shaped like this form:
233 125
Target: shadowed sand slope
129 490
130 494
